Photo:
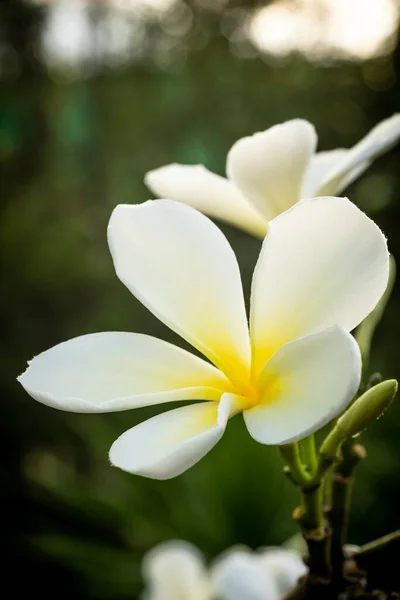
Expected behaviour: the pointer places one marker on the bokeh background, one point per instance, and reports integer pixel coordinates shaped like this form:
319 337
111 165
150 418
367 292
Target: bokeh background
93 95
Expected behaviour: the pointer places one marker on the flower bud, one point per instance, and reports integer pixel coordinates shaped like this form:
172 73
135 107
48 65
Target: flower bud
367 408
361 413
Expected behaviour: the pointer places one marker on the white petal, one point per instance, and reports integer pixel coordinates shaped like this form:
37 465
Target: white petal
305 385
209 193
319 166
169 444
379 140
322 262
104 372
240 575
323 163
269 166
286 567
175 570
180 265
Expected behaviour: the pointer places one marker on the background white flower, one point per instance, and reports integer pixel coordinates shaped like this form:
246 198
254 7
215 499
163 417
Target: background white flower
322 268
270 171
176 570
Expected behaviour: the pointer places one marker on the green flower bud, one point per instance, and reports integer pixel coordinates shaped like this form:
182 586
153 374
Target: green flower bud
367 408
361 413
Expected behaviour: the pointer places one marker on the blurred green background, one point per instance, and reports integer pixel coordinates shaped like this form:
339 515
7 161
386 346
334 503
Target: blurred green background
93 95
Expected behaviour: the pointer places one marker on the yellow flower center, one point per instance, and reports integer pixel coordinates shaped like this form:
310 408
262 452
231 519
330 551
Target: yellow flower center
266 390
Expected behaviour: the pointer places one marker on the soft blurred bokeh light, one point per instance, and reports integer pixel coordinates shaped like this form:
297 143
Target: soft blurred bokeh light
326 29
93 95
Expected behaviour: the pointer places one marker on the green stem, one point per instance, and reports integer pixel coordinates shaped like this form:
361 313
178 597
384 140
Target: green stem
313 511
291 455
328 489
380 560
382 544
309 514
309 453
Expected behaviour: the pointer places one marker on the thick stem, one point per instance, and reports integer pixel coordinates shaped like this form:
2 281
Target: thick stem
316 532
310 514
339 517
339 513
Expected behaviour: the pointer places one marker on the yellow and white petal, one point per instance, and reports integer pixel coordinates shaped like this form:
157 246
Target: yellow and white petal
104 372
209 193
269 166
169 444
240 575
379 140
322 262
175 570
286 567
305 385
182 268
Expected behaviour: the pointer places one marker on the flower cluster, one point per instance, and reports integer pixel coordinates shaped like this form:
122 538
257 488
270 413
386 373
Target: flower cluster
289 369
176 570
323 266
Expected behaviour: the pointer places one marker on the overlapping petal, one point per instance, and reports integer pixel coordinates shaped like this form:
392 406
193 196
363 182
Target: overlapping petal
318 168
270 171
286 567
317 181
172 442
175 570
104 372
322 262
380 139
305 385
209 193
180 265
239 575
269 167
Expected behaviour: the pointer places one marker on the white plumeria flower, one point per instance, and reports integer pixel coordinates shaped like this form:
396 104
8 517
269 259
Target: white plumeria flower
322 268
270 171
176 571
